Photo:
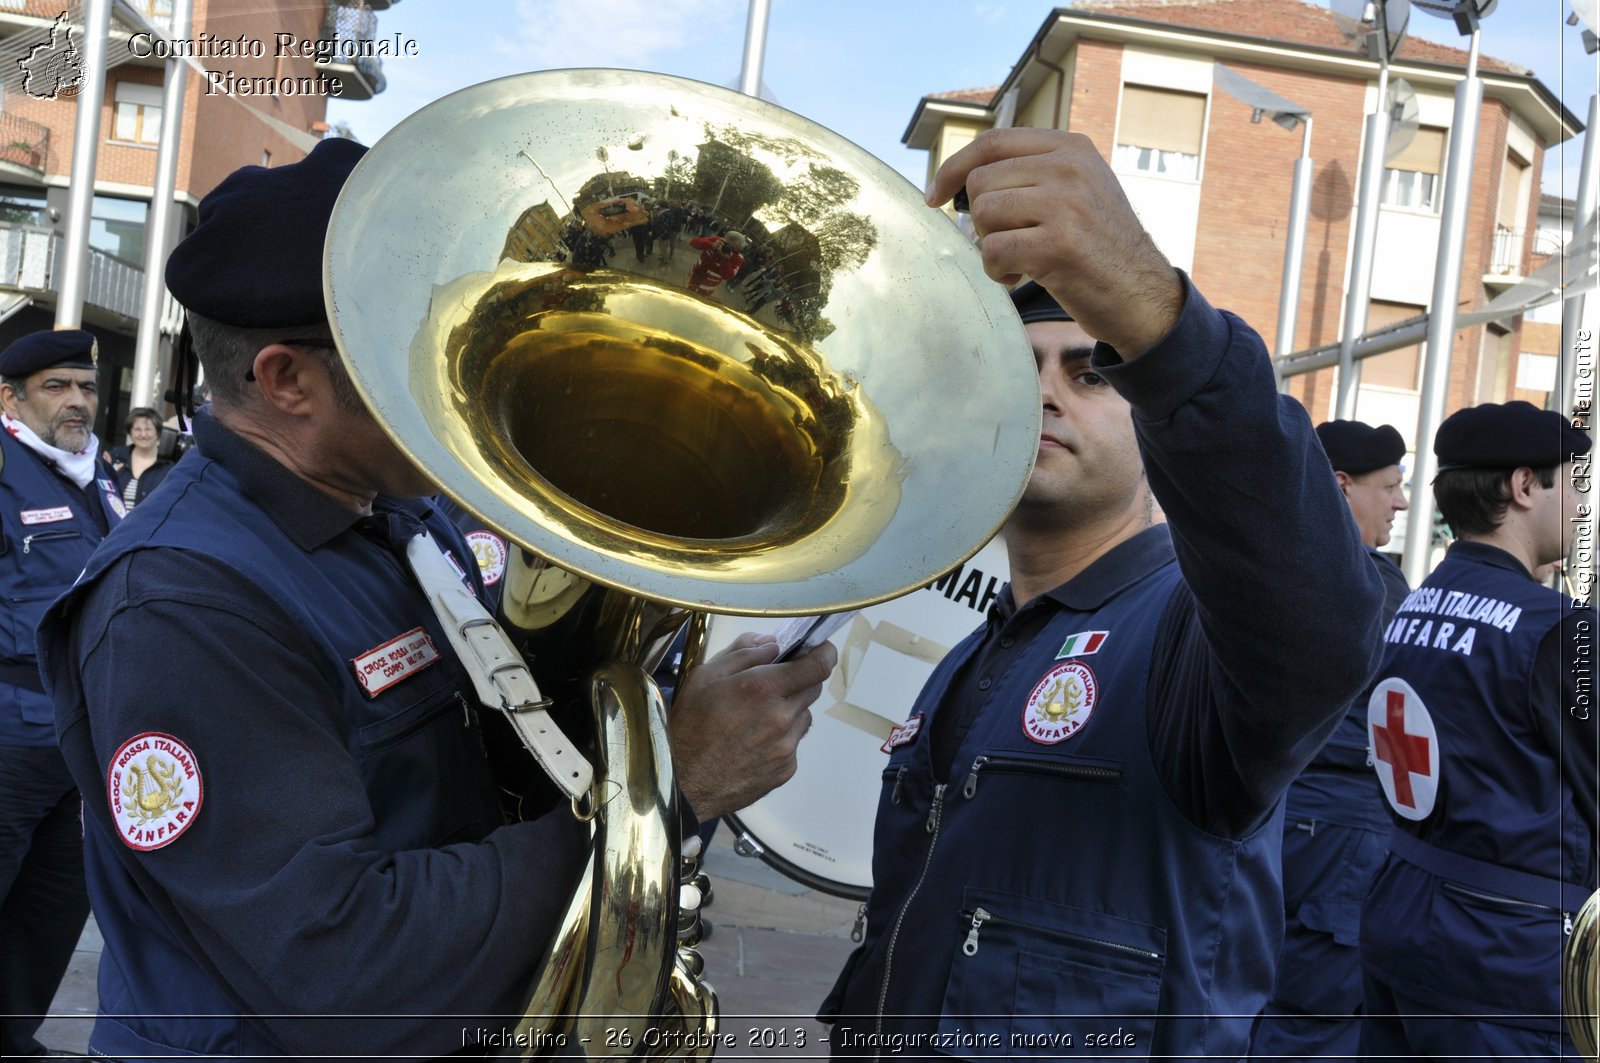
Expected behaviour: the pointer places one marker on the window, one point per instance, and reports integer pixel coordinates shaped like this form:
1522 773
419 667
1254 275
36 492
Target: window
22 206
1495 365
1391 369
1536 372
1513 209
1159 132
138 117
116 226
1411 179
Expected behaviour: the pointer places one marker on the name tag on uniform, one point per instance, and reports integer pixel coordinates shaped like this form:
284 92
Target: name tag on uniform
902 735
46 516
404 655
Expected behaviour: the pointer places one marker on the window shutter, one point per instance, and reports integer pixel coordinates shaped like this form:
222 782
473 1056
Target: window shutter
1425 153
1162 119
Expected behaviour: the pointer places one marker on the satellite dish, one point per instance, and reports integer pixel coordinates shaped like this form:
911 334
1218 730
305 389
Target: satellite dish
1466 13
1450 8
1400 104
1587 12
1375 27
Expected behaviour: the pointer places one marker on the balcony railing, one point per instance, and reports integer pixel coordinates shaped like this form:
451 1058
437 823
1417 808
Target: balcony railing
24 143
1506 259
351 26
30 259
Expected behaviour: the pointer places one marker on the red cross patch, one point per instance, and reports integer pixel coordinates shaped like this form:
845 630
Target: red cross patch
1405 748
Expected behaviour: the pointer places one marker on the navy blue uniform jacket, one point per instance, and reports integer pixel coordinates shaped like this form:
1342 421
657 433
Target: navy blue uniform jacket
47 529
290 823
1098 867
1485 737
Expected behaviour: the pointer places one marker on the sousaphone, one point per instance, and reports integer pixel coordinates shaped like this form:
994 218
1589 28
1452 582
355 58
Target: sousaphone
834 421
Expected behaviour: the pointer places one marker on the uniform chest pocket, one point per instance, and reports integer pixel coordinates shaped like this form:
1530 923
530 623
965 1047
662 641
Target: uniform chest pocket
1000 764
1049 980
45 560
425 772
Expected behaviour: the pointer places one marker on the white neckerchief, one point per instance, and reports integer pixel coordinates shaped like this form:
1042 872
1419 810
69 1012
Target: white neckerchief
77 467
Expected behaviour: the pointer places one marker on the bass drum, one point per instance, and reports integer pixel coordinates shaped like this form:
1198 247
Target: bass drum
817 827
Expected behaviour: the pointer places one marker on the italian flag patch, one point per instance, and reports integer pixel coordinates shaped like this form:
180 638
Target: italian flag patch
1082 644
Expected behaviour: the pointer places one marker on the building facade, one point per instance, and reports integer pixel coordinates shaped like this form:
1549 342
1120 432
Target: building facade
235 51
1213 187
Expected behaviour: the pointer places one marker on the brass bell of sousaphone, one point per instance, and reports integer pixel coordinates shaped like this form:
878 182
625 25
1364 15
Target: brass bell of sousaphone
1580 979
525 281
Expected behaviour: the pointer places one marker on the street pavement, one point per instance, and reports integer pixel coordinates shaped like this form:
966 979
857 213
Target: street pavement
774 950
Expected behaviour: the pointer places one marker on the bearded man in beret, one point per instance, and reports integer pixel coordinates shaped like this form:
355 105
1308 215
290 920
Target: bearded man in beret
57 500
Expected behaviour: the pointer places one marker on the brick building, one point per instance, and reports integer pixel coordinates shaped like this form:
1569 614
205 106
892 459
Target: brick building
222 129
1212 186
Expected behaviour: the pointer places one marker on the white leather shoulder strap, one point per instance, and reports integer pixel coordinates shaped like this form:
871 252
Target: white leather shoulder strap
499 674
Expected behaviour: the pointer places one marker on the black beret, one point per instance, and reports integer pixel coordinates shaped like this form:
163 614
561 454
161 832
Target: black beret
46 350
1036 304
255 258
1506 436
1355 448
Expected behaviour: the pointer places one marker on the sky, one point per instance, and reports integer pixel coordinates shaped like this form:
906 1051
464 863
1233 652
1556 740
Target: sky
858 67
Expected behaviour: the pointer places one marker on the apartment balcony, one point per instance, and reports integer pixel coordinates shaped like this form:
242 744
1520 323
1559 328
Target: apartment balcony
1546 245
1506 258
24 149
353 27
30 263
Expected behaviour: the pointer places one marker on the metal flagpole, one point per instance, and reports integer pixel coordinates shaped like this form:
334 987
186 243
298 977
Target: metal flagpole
755 48
74 274
1578 346
1358 299
146 387
1294 252
1572 311
1442 313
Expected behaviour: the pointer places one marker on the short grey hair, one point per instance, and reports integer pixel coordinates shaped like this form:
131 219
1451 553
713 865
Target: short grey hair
227 353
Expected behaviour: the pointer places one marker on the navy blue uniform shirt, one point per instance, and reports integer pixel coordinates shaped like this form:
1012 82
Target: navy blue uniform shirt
289 813
1488 758
48 526
1089 859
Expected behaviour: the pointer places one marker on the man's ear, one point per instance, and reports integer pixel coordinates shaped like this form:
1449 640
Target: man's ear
1345 480
9 400
284 377
1522 485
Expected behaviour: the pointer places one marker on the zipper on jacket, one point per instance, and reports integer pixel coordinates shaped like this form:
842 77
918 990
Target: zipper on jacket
27 540
977 917
900 785
1512 902
859 931
894 936
1030 766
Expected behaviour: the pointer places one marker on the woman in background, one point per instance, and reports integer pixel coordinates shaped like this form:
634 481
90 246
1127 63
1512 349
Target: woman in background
138 466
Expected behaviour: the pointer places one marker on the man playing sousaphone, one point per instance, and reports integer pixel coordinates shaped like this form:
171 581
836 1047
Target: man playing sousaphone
294 842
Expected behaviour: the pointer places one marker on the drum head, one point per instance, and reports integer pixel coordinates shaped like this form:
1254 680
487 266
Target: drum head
817 827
